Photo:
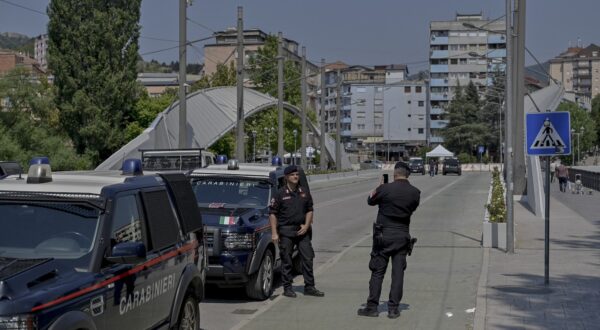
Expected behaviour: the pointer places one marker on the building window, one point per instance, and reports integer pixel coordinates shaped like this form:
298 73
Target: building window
378 126
409 101
421 103
421 131
409 115
463 61
360 126
406 89
409 129
360 114
378 115
453 61
418 89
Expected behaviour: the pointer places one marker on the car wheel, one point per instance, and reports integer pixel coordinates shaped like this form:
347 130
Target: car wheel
189 314
260 286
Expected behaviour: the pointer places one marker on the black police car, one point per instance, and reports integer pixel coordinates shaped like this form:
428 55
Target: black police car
451 165
99 250
416 165
234 202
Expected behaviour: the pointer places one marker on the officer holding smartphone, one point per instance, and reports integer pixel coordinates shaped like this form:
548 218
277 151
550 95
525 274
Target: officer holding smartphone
391 238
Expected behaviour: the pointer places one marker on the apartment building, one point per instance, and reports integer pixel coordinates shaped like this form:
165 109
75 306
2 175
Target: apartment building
223 51
40 50
468 48
10 59
578 69
381 112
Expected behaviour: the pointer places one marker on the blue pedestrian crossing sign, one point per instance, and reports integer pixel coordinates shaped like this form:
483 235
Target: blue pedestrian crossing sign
548 133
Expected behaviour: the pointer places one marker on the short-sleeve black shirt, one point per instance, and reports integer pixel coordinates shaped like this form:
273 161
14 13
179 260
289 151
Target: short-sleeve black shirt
397 201
290 207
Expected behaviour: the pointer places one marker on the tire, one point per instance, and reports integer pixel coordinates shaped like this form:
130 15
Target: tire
189 314
260 286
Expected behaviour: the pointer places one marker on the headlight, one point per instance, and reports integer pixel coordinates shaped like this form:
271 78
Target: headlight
18 322
237 241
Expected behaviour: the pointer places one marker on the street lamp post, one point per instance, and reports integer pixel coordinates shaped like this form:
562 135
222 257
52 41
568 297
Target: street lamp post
254 146
295 131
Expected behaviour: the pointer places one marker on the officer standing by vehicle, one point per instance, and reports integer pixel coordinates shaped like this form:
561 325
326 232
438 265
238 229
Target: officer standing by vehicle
391 239
291 215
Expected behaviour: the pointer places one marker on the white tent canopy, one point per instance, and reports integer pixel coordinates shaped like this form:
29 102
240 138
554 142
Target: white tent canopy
439 151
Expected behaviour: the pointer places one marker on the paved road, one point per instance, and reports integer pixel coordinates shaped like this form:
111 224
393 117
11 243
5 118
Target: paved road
440 283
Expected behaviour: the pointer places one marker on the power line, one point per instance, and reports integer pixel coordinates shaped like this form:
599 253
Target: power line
159 39
23 7
175 47
201 25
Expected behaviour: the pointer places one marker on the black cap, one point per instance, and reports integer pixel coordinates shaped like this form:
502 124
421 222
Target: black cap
290 169
402 165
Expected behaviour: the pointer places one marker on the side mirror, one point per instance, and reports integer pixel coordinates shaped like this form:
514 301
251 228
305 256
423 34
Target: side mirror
128 253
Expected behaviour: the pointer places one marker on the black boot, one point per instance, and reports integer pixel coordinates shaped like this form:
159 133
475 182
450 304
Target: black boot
393 313
312 291
289 292
368 311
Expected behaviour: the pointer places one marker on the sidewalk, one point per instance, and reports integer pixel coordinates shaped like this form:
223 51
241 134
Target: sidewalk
513 292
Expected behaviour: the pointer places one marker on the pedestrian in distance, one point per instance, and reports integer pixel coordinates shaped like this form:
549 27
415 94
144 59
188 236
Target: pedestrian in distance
431 167
552 170
562 173
291 216
391 238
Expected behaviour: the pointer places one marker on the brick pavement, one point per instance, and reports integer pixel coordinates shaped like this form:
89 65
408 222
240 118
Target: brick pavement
514 294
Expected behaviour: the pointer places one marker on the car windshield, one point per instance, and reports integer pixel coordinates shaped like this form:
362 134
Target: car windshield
59 230
416 161
451 162
231 192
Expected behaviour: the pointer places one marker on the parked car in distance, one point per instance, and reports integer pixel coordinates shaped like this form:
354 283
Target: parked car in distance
416 165
451 165
370 164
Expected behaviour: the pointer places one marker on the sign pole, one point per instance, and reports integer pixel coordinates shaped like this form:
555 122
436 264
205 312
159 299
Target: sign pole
547 226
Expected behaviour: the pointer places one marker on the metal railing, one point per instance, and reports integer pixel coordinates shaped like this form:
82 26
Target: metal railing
589 179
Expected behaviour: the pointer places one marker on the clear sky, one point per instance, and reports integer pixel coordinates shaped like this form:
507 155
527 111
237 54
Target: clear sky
357 32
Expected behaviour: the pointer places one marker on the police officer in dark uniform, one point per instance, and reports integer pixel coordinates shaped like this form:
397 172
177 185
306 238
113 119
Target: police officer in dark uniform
291 215
391 239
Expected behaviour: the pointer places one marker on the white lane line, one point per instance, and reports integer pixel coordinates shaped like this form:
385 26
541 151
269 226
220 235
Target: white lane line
333 260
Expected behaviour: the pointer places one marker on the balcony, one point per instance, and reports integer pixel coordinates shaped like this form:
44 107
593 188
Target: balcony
439 40
437 111
439 54
439 68
496 39
438 82
346 120
497 53
436 139
346 133
439 96
497 67
437 124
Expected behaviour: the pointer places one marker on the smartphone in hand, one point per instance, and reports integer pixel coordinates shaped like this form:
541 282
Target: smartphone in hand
385 178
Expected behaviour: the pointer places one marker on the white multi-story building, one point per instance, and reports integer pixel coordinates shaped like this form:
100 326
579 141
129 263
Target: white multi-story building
40 50
469 48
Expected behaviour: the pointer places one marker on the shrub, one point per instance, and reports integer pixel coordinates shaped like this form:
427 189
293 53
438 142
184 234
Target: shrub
497 207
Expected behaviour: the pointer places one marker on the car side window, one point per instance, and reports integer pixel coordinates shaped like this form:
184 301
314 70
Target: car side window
127 223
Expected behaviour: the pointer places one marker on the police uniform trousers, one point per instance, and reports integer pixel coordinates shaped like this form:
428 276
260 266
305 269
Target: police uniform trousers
307 254
394 246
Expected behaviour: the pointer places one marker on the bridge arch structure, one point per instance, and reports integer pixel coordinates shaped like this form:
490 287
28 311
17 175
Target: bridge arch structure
211 113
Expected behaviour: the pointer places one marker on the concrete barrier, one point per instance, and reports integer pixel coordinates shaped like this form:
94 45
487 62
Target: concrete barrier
339 175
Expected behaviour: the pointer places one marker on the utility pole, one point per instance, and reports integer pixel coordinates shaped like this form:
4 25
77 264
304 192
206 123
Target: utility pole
323 164
338 125
508 124
304 109
520 178
280 94
182 74
240 150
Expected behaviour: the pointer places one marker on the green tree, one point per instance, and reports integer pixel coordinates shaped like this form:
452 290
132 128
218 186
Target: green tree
595 114
145 111
92 51
581 123
29 125
224 76
492 114
465 131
